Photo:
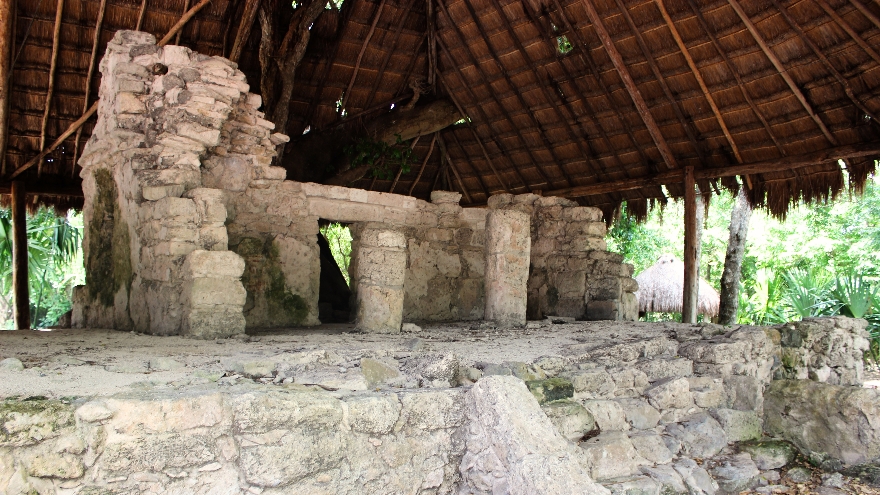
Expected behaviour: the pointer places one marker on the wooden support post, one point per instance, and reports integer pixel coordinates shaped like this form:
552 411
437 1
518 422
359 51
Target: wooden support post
690 294
21 311
244 29
7 10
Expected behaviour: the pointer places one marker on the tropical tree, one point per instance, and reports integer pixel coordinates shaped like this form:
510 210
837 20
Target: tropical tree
54 263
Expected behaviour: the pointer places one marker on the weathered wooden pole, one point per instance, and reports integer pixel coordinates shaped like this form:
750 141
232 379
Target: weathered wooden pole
6 42
691 267
22 311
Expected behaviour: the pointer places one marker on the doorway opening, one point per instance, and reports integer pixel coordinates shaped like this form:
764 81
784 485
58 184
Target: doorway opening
334 295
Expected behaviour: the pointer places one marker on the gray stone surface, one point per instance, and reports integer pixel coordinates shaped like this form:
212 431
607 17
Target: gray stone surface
570 418
639 414
611 454
650 445
738 425
799 474
769 454
734 473
695 477
842 422
700 435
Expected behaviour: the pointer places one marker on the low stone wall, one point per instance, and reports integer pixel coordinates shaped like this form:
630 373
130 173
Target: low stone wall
829 350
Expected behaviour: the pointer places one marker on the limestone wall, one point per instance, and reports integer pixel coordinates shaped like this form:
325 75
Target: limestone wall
155 243
179 166
826 350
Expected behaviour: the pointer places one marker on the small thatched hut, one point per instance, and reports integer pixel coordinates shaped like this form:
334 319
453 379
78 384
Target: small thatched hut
661 288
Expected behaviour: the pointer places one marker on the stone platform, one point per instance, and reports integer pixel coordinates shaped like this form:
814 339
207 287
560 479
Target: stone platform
565 407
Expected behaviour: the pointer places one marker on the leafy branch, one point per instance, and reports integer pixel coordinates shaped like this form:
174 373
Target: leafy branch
380 156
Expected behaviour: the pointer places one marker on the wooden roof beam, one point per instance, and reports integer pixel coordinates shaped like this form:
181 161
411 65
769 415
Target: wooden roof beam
867 13
244 29
849 30
509 82
357 63
142 13
445 152
388 54
791 162
649 58
696 72
424 163
7 35
53 63
594 166
782 72
94 108
631 87
827 63
88 87
739 81
474 131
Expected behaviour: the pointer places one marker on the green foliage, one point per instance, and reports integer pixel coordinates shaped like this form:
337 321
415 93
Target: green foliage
823 260
339 238
55 264
383 158
564 45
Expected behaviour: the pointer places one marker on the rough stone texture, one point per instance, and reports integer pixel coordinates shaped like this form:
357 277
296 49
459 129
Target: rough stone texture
513 448
734 473
841 422
738 425
572 274
611 455
769 454
700 435
379 287
507 266
825 349
572 420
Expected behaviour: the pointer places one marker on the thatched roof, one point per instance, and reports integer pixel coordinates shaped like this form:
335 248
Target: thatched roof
646 89
661 288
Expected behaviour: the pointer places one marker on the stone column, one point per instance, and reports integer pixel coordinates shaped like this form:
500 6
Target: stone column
508 246
381 265
213 295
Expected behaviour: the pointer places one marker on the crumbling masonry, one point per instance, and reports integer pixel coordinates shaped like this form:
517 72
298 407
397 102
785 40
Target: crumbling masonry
190 230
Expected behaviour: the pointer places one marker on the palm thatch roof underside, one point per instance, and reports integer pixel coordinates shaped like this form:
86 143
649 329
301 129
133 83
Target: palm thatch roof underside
602 101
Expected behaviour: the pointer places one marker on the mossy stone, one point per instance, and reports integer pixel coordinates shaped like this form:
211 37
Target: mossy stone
551 389
27 422
769 454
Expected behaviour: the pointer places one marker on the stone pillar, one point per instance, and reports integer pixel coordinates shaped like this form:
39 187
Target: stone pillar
381 265
508 246
213 294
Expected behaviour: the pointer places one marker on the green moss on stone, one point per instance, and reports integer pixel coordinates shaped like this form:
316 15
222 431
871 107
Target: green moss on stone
551 389
24 422
108 267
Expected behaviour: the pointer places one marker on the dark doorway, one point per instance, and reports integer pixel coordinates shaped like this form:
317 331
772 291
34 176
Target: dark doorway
334 241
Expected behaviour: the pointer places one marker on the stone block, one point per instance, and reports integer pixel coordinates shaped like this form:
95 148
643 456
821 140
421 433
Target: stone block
651 446
770 454
609 414
379 309
700 435
441 197
639 414
550 389
214 264
738 425
658 369
744 393
373 414
707 391
602 310
571 419
210 292
670 393
593 384
582 214
379 266
611 454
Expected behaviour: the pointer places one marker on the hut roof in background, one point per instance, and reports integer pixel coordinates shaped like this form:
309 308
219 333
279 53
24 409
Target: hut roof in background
661 289
598 100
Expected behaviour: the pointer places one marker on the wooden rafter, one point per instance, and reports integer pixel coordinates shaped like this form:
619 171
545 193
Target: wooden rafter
827 63
473 59
548 98
474 132
244 29
412 146
849 30
424 163
87 90
696 72
7 30
781 69
740 83
189 14
53 64
530 64
551 38
444 152
458 178
177 36
658 75
142 12
630 84
388 54
584 53
484 118
866 12
357 64
477 173
791 162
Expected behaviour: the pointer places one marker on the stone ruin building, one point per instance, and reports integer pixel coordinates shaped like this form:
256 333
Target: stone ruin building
487 343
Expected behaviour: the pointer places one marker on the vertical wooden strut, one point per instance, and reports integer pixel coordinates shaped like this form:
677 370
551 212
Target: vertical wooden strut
244 29
690 294
21 311
56 38
6 36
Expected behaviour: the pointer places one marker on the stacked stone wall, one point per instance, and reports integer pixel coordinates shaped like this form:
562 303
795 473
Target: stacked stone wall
829 350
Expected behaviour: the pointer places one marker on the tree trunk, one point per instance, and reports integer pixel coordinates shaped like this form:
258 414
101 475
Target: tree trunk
736 250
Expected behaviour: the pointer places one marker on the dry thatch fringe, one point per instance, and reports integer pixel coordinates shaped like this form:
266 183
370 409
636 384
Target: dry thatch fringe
661 287
858 170
779 195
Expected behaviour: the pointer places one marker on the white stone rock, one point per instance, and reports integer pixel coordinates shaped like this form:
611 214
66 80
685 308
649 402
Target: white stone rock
611 455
